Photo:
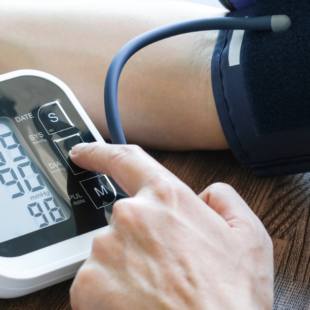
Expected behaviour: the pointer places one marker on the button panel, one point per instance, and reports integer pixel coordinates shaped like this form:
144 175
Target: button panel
100 191
65 145
54 118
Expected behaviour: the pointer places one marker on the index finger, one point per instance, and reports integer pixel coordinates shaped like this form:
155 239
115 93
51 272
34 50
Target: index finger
128 165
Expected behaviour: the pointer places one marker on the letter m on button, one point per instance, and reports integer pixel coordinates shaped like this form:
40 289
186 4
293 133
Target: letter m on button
102 192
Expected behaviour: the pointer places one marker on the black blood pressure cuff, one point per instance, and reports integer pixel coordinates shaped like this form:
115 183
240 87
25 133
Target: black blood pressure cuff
261 86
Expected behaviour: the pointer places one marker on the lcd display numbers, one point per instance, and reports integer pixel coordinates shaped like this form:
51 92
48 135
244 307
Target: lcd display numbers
28 200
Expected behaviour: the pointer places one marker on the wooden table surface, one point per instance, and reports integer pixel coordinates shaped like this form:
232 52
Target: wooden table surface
281 203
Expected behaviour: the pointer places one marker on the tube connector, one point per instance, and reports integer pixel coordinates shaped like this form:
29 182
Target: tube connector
280 23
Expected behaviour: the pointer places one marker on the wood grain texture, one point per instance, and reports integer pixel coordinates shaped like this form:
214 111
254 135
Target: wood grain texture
281 203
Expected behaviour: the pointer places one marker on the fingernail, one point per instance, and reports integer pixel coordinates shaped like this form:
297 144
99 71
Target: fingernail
77 148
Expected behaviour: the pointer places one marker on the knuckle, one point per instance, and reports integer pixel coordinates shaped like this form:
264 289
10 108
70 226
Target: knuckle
166 189
215 192
122 152
132 216
218 188
98 244
123 212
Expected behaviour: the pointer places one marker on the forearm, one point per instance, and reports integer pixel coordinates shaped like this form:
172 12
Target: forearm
77 41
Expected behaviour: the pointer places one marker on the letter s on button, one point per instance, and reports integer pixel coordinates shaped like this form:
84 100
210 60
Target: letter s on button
53 118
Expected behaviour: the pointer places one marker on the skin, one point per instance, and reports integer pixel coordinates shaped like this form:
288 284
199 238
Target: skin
168 248
165 93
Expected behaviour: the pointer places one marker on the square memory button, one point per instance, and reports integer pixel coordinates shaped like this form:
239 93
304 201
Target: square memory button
65 145
54 118
100 190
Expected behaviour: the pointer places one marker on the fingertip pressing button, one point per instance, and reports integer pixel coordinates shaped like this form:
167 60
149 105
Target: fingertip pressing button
65 145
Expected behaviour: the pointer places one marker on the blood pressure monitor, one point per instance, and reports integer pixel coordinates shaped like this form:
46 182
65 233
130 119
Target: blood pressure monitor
50 209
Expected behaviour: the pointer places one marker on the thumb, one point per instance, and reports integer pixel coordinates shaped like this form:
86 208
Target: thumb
225 201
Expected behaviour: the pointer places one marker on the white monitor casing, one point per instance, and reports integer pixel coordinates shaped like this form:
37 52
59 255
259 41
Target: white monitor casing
56 263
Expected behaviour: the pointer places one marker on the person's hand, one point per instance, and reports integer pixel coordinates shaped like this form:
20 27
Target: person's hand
168 248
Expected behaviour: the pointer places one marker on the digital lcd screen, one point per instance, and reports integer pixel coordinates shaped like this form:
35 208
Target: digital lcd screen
28 201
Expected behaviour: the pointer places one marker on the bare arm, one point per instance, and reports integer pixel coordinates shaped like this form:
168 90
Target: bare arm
165 93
